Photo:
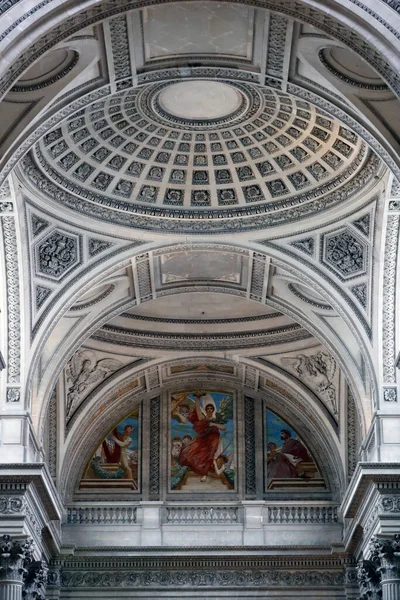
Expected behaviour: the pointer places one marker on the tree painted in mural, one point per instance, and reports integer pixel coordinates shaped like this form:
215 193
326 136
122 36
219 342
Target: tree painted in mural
288 461
115 464
202 442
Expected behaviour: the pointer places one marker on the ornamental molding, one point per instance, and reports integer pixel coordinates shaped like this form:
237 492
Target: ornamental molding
197 579
292 8
199 221
389 299
138 339
13 299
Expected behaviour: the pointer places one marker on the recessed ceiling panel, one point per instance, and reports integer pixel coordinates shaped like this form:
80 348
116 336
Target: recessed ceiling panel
192 28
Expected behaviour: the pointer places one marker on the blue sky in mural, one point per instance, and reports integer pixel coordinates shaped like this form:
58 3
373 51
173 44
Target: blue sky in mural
274 425
182 429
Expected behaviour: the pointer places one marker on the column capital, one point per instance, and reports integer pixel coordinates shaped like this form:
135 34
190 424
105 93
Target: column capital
35 581
386 552
14 554
369 580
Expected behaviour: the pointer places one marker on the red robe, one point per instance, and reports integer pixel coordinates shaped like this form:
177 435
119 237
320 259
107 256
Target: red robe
112 456
199 454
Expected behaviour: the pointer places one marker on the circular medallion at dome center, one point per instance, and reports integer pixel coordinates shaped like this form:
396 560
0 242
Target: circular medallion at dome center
200 100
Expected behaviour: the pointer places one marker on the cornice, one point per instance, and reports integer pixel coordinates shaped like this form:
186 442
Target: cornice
38 475
364 475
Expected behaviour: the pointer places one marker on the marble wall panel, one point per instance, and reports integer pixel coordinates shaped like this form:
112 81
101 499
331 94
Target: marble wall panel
198 28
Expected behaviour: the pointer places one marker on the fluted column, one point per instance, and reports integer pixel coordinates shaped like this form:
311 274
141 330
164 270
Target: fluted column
387 554
13 556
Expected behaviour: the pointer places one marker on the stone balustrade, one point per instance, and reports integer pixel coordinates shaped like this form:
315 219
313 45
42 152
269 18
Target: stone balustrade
202 514
101 514
303 514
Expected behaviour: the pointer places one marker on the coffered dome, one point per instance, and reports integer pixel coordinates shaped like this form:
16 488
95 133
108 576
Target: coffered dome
201 151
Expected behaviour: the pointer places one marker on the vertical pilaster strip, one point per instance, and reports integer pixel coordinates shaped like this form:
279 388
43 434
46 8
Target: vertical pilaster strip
120 47
351 433
276 45
389 299
249 447
52 434
154 479
13 300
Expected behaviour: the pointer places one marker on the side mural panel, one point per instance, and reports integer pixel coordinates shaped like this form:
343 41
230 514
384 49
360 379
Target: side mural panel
288 461
116 463
202 455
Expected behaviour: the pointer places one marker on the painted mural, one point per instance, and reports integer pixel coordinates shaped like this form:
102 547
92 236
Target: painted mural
289 463
202 442
115 464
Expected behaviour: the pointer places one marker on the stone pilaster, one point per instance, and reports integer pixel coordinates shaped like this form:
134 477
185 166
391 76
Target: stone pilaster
14 555
351 579
54 580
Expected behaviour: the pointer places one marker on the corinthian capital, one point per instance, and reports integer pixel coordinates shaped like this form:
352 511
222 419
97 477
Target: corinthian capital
369 580
35 581
386 554
13 555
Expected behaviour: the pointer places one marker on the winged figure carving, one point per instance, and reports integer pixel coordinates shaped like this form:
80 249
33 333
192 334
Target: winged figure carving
318 370
83 370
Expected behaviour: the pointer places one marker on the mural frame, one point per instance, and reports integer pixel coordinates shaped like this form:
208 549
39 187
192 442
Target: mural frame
291 490
115 491
228 495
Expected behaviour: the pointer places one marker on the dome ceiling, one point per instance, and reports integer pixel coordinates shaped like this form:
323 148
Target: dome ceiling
174 154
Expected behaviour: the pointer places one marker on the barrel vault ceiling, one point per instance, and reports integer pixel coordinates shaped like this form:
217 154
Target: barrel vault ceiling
204 184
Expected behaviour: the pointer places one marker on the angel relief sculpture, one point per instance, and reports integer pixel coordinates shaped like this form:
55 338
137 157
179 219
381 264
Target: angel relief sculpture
318 371
84 372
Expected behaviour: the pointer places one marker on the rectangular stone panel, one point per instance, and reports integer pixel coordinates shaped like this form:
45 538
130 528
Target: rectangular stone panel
197 28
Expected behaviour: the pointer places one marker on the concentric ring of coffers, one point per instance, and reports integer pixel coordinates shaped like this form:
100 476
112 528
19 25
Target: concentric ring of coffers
138 156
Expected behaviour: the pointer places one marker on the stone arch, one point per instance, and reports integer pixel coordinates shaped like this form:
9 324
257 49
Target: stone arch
55 366
288 398
375 27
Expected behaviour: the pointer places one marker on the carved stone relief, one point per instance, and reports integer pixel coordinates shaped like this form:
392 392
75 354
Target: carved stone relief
83 373
320 372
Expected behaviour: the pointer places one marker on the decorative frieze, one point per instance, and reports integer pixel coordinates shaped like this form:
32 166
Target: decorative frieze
388 290
13 299
197 579
11 505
